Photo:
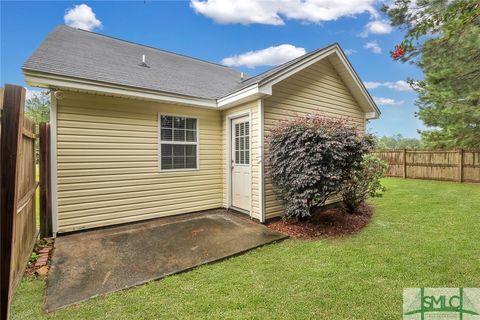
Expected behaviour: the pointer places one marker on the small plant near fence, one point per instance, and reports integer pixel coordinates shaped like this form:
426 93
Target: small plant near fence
310 159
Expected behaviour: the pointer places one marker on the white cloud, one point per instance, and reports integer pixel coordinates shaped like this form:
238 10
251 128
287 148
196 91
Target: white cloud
271 56
399 85
372 85
373 45
376 27
274 12
349 51
387 101
82 17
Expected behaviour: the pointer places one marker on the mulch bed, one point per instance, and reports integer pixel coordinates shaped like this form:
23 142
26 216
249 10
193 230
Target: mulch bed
38 262
325 223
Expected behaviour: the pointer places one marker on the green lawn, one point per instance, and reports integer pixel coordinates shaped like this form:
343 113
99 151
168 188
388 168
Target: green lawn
423 234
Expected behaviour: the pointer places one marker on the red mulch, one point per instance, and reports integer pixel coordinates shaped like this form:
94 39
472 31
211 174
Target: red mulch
42 251
325 223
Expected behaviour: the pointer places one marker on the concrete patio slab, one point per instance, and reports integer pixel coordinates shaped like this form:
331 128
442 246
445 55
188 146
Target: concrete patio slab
96 262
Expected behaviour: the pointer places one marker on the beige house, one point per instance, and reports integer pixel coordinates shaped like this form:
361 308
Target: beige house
141 133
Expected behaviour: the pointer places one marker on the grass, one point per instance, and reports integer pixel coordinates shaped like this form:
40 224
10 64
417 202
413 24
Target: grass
423 234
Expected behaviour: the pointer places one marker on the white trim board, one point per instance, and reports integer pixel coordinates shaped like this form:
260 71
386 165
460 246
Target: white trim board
53 162
51 81
261 160
228 121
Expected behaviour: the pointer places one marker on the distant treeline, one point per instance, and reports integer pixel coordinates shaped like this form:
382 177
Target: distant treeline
398 142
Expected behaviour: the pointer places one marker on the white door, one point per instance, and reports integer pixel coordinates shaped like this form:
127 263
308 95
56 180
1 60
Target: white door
240 163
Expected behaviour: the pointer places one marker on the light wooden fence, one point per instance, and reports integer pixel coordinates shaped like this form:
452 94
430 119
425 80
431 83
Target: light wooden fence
17 193
447 165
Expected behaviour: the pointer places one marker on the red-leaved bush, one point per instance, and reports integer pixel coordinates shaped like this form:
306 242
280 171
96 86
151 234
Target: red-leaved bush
310 158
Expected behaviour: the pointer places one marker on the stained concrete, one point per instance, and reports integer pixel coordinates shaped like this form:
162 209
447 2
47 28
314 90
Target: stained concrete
96 262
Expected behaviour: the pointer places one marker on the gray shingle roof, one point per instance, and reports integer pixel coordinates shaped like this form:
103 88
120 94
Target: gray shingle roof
86 55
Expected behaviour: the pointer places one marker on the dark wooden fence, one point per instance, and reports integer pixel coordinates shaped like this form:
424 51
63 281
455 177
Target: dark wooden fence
17 195
46 229
447 165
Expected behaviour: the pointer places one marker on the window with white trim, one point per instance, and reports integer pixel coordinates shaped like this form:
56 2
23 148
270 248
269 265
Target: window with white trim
178 143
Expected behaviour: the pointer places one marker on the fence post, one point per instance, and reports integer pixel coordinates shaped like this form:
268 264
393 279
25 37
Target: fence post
404 156
460 165
11 141
45 191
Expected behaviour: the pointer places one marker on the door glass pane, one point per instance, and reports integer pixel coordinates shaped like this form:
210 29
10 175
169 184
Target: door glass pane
237 156
247 157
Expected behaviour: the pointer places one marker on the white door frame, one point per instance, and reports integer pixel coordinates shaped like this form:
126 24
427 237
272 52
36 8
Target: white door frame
228 121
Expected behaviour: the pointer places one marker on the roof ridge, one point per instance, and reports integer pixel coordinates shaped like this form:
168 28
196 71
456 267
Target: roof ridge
150 47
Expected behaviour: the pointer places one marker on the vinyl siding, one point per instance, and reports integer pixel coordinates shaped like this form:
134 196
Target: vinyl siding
107 153
252 109
316 89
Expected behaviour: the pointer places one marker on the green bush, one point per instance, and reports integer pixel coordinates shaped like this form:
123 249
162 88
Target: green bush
362 182
310 157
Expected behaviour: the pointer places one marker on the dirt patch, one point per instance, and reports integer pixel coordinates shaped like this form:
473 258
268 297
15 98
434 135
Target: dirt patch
325 223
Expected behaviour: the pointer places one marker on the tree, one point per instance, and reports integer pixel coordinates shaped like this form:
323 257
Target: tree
37 107
397 142
443 39
310 158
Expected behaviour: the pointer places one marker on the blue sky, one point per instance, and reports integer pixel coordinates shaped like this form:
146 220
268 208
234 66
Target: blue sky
214 32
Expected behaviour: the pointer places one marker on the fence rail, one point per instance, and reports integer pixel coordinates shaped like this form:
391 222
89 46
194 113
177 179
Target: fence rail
17 193
446 165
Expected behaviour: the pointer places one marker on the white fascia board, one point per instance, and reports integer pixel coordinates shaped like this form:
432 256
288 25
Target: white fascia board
247 94
371 115
51 81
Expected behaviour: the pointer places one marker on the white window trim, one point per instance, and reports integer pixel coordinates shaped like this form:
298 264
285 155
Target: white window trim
197 143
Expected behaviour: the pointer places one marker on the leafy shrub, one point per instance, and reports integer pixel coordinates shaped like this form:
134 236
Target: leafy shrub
310 158
363 181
